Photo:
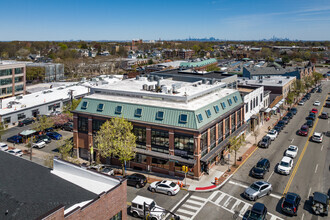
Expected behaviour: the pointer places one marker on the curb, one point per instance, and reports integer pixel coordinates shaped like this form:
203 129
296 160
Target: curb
215 188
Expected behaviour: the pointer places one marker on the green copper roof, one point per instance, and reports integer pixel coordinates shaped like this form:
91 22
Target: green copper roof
198 64
159 115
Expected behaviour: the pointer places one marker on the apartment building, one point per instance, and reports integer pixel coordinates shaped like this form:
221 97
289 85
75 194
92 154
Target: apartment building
12 79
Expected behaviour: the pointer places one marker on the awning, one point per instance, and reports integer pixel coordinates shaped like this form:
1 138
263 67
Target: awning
274 108
27 132
280 103
263 109
268 110
210 155
254 117
277 105
165 156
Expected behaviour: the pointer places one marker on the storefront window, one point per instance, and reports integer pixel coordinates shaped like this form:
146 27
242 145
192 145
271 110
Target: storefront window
204 143
162 163
233 122
140 158
140 134
227 129
159 141
239 118
184 145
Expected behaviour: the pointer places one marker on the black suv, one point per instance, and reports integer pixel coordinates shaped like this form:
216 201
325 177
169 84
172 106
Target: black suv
289 115
281 123
309 123
136 179
264 142
68 126
293 110
260 169
311 116
258 211
290 203
286 119
26 121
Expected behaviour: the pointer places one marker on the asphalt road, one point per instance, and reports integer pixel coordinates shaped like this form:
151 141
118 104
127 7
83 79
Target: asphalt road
310 174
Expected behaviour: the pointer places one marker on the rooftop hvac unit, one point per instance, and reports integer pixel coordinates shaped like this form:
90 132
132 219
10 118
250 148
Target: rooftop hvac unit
260 81
288 77
280 82
204 81
137 77
145 87
151 87
164 89
19 97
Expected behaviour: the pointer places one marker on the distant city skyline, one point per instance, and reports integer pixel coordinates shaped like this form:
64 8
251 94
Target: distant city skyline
167 20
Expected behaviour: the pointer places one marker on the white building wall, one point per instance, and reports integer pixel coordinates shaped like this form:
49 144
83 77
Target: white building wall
253 96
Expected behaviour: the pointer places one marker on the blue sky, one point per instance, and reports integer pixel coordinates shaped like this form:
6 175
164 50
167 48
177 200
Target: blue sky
165 19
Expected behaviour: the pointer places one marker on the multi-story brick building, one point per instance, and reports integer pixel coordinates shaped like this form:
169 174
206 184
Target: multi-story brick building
12 78
175 123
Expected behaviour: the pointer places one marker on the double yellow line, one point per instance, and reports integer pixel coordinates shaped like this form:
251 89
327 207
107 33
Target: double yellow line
302 154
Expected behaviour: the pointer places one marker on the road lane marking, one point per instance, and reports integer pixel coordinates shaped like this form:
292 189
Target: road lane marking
301 156
302 217
238 184
321 147
275 196
309 192
177 204
292 140
316 167
270 176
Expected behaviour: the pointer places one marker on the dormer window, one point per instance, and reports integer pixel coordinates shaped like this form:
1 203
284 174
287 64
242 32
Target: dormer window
160 115
138 112
84 105
119 109
100 107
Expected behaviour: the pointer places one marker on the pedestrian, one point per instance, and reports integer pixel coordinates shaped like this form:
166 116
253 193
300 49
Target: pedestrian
269 128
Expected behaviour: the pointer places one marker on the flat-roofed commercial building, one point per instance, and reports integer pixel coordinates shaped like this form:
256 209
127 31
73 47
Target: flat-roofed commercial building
175 123
12 78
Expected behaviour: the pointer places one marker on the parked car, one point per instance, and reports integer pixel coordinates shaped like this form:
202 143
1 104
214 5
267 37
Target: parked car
281 123
313 90
264 142
286 119
136 179
290 203
68 126
143 207
39 144
257 190
320 203
290 115
309 123
314 110
168 187
317 137
258 211
108 170
54 135
272 134
260 169
45 138
292 151
16 152
3 147
311 116
49 129
319 90
26 121
303 130
293 110
324 115
278 128
54 113
15 139
285 166
301 102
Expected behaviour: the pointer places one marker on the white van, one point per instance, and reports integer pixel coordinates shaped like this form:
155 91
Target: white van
152 210
3 147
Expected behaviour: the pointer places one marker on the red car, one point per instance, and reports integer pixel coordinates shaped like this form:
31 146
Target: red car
314 110
303 130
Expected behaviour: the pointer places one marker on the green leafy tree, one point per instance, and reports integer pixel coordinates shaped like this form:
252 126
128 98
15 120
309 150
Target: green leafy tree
317 77
290 98
235 144
115 138
66 149
35 73
43 123
71 106
285 59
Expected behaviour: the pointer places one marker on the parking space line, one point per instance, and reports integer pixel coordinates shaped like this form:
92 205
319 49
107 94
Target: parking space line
275 196
321 147
270 176
309 192
302 217
316 167
292 140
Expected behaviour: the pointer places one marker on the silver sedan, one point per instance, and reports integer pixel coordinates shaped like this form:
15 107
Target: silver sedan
258 189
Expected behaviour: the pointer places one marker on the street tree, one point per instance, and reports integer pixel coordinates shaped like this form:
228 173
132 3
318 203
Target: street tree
71 106
115 138
317 77
236 143
66 149
43 123
255 134
290 98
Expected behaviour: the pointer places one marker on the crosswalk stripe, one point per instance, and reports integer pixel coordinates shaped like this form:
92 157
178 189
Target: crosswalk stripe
185 212
184 217
227 201
198 198
235 204
195 202
220 198
190 207
213 195
245 207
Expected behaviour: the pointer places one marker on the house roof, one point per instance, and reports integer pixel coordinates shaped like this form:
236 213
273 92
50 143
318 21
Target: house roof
270 70
28 190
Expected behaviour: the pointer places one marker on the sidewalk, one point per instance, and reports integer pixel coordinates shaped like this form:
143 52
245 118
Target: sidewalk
207 182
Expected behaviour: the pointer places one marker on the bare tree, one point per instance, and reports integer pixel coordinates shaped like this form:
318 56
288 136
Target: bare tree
255 134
